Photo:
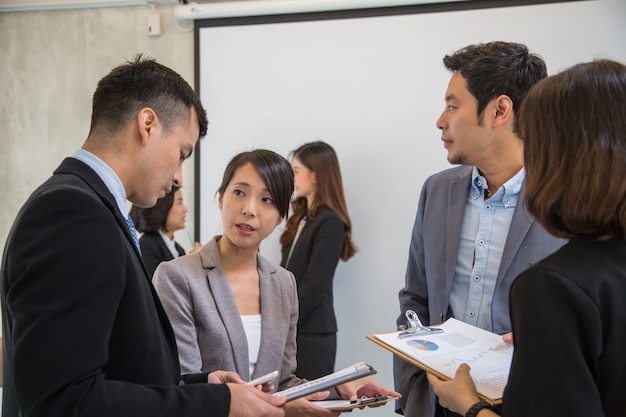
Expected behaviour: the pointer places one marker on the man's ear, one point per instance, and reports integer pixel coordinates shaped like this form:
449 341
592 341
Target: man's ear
504 110
146 121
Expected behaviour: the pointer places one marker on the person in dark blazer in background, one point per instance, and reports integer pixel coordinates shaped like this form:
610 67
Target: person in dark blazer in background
84 331
472 234
158 225
317 236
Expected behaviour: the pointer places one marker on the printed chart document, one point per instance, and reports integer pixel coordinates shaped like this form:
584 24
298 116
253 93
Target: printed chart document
442 353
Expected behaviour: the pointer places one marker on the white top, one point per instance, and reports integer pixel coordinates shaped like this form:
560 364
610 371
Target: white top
252 327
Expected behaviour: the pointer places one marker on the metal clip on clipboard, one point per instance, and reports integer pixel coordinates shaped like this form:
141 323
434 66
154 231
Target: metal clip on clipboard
416 327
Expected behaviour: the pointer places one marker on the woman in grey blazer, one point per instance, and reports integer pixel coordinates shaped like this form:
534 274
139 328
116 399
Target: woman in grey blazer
232 309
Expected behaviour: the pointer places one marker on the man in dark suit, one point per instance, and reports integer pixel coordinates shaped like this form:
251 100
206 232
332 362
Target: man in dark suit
84 331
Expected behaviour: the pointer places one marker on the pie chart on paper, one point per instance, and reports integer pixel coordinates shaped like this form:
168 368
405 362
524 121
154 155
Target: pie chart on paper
423 345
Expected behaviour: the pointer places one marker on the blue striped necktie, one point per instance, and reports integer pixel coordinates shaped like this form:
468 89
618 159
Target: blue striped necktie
133 232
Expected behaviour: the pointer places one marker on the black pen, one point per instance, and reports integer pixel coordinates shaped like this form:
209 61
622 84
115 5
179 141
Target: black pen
365 400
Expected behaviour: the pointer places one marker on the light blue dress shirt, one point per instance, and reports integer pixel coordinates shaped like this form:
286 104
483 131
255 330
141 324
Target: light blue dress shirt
485 228
107 175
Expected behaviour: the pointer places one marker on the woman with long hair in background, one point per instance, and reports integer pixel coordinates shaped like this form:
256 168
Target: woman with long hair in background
318 235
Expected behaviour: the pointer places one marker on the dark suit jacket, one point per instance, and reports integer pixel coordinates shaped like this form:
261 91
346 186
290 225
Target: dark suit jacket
84 331
313 263
569 325
154 251
430 269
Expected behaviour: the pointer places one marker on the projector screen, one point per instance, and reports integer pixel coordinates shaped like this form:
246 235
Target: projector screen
372 86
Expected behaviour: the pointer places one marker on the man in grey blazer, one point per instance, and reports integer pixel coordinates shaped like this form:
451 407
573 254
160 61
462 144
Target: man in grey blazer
472 234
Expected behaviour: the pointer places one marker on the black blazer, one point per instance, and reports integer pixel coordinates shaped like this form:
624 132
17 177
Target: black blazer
84 332
313 263
154 251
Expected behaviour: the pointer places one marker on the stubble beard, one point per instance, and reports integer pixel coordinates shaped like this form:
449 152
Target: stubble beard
457 159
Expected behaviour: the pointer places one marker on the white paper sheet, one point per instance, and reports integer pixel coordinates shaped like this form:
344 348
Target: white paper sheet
485 352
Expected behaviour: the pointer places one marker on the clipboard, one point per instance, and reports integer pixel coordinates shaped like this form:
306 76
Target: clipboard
423 342
345 405
358 370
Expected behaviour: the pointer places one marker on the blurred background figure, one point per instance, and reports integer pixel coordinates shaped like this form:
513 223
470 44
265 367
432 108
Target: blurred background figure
158 225
318 235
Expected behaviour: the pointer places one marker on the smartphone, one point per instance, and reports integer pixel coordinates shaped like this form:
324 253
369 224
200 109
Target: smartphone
263 379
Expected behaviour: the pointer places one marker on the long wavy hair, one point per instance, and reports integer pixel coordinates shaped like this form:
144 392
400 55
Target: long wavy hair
320 158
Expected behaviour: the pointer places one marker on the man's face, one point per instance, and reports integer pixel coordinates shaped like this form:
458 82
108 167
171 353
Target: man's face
462 132
160 166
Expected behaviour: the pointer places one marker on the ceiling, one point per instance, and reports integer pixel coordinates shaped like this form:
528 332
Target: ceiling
28 5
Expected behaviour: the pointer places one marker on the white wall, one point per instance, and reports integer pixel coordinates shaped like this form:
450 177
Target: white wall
372 88
52 60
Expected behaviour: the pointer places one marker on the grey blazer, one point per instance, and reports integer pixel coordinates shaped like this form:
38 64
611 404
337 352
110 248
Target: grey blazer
209 333
430 270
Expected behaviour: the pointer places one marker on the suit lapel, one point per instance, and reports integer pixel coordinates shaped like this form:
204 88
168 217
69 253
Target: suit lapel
270 313
90 177
179 249
520 225
226 307
457 201
75 167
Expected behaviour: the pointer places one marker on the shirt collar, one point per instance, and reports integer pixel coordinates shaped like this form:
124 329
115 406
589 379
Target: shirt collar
170 243
107 175
509 191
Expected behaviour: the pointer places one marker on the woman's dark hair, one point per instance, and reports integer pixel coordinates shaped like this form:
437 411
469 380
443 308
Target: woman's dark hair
154 218
274 170
573 125
320 158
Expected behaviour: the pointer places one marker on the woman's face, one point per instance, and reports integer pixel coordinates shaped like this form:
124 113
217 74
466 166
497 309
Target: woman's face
249 214
177 214
304 178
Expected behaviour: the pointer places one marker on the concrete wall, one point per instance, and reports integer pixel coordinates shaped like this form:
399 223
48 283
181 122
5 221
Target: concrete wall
51 63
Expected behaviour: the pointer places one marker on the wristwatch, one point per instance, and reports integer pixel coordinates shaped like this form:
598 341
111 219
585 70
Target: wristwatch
473 410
